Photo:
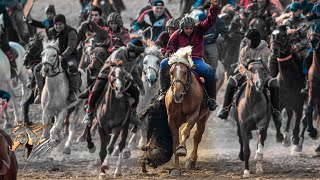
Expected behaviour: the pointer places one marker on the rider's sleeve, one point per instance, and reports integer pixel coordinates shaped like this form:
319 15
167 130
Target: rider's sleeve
81 33
242 56
139 23
203 26
173 44
100 30
72 44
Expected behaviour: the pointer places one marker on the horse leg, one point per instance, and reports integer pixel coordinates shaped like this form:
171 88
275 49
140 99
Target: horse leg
94 127
66 125
72 129
286 141
241 157
143 139
55 132
259 153
185 133
122 144
246 151
175 137
104 139
191 162
16 107
46 118
26 106
114 137
297 141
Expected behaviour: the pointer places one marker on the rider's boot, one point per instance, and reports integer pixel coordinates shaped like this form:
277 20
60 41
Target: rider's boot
94 96
90 83
228 98
40 80
210 85
12 59
276 115
164 84
74 81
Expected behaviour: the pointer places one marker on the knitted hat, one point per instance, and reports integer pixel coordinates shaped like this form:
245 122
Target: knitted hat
158 3
59 18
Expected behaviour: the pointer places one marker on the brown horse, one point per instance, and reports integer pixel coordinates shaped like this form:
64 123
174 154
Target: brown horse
8 161
252 112
185 103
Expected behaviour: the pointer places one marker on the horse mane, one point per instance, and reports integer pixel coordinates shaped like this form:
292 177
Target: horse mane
183 55
153 50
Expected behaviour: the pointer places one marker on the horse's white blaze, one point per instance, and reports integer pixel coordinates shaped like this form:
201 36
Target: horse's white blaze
117 73
178 70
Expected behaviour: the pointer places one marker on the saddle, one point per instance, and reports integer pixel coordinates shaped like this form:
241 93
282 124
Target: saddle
201 81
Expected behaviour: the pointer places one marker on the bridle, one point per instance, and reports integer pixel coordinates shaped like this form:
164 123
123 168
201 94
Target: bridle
186 85
121 79
56 64
151 68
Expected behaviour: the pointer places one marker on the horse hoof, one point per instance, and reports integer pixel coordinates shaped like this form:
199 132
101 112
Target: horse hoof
126 154
297 148
67 150
286 142
258 157
141 144
190 164
246 173
80 139
181 151
279 138
102 175
259 169
92 150
175 172
115 152
314 134
104 166
117 173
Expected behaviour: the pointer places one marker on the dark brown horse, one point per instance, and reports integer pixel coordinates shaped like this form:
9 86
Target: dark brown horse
8 161
252 112
185 103
291 81
314 80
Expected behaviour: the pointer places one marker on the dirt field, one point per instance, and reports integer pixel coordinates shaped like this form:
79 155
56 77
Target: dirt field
218 151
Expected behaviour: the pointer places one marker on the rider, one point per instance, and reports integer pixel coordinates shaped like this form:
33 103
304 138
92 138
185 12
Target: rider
47 23
306 6
114 36
4 39
298 34
146 8
256 49
154 19
129 56
171 26
67 37
192 34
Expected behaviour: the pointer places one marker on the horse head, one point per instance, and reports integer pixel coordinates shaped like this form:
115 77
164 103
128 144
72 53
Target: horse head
314 35
1 24
5 161
51 64
151 64
180 72
279 41
118 78
33 51
256 74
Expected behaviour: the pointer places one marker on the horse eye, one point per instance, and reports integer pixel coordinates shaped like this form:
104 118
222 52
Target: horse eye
144 62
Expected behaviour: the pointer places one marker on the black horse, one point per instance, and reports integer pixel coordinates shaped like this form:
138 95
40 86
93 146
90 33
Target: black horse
32 58
285 66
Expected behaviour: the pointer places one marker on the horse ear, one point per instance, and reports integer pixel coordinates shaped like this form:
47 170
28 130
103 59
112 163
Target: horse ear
242 69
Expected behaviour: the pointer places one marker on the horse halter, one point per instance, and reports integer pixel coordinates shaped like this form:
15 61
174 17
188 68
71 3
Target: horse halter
56 64
151 68
274 39
185 84
249 72
113 78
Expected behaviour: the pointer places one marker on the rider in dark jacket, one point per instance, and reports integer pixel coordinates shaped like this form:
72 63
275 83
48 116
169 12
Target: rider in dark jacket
67 37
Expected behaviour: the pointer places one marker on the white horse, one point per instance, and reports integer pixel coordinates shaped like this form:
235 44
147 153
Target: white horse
5 77
150 74
54 97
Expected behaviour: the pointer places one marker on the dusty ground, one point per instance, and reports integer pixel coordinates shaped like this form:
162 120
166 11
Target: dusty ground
218 151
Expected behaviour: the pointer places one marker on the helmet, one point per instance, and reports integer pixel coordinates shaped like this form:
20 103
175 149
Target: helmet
295 6
187 22
115 17
50 9
172 23
136 45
